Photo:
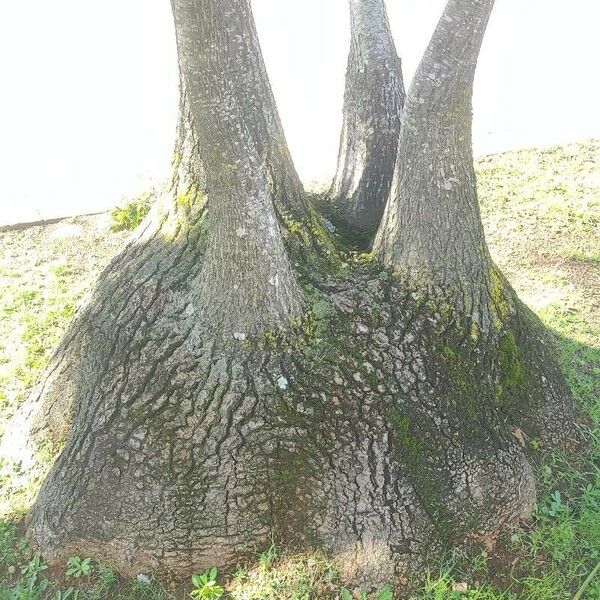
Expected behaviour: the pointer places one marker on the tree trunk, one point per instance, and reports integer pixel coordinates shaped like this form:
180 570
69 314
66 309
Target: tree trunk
431 233
432 229
203 413
372 105
159 346
235 300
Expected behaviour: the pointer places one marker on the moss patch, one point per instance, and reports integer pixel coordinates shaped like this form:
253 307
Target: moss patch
500 306
192 197
510 363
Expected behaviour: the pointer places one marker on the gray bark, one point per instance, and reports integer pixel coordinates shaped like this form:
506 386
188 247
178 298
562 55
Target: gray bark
432 230
373 102
204 273
431 233
225 215
196 429
247 92
246 283
183 456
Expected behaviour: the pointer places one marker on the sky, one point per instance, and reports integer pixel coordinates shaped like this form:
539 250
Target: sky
88 98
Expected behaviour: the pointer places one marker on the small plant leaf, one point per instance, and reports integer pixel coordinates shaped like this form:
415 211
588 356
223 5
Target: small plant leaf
345 594
386 594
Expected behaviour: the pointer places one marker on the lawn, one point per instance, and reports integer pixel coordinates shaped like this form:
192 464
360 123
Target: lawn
541 210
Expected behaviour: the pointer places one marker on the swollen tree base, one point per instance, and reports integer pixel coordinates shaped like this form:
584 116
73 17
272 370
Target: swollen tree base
382 426
205 410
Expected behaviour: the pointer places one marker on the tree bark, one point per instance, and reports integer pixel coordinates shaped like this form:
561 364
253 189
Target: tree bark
246 277
431 234
164 330
432 229
373 102
244 267
204 414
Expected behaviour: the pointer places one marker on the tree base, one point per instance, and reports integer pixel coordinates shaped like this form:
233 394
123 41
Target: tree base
383 427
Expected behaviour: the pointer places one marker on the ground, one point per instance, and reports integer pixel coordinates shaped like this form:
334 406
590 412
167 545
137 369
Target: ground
541 210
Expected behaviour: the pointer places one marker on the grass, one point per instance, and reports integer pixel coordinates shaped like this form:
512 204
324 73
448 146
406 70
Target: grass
37 316
541 210
42 277
128 216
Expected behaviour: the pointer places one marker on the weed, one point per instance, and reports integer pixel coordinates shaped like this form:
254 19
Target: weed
128 217
33 568
206 586
78 567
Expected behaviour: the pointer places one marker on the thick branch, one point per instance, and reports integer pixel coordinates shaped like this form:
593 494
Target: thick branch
248 83
372 104
246 282
432 229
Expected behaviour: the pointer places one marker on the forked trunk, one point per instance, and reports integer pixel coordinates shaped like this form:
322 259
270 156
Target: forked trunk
431 234
154 380
372 105
203 413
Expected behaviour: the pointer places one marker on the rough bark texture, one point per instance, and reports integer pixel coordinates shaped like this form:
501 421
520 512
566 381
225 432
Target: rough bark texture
372 105
203 415
432 228
206 270
246 283
431 233
223 36
225 214
380 431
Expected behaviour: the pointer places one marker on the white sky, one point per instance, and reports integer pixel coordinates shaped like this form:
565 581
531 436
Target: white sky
88 90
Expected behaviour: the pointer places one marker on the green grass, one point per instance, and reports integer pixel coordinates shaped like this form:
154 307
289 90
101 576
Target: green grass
34 316
541 211
131 214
